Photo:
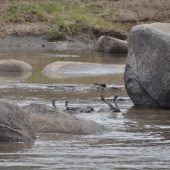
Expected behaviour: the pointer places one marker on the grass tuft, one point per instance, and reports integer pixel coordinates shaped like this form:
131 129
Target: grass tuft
61 15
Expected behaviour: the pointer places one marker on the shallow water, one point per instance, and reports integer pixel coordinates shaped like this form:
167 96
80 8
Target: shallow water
136 138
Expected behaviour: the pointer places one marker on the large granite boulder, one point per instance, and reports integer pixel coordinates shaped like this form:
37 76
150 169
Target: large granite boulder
108 44
147 73
15 124
12 65
49 120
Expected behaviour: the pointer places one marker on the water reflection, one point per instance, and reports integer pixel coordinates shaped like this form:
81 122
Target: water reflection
14 147
40 59
14 76
149 116
155 122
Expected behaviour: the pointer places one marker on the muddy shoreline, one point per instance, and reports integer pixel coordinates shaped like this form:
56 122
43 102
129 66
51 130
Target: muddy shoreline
40 43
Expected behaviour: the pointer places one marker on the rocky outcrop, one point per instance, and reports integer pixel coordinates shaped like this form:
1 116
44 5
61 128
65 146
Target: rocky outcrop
14 66
108 44
15 124
147 73
49 120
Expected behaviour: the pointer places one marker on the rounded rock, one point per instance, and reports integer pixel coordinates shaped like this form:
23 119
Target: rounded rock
12 65
108 44
15 124
49 120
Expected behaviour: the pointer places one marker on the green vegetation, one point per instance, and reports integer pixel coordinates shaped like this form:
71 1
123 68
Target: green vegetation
62 16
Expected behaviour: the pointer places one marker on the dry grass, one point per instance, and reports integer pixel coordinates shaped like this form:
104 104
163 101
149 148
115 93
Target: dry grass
72 17
62 16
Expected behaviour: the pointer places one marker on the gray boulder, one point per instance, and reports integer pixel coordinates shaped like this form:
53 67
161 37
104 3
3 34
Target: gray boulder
14 66
147 73
49 120
15 124
108 44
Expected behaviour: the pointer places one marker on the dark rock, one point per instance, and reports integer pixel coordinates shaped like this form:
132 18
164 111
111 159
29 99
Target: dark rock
49 120
15 124
147 73
108 44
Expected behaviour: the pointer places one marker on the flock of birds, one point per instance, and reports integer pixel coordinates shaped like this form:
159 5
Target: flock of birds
88 109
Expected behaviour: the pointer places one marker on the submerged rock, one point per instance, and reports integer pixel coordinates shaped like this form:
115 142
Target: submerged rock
108 44
49 120
78 69
14 66
147 73
15 124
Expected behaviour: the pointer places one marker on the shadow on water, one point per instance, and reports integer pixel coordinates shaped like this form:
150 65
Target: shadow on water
14 147
153 121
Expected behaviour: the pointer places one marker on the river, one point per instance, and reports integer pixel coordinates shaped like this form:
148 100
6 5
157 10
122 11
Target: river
137 138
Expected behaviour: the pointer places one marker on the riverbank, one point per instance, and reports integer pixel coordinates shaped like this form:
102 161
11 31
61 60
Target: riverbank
71 45
60 20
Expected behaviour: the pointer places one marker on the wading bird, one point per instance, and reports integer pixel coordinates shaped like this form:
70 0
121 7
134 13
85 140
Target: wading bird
75 109
112 108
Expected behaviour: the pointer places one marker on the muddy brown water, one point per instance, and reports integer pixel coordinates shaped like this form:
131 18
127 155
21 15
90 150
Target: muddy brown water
136 138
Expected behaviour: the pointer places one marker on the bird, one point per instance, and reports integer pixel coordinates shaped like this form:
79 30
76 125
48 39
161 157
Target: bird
73 110
53 103
104 88
103 85
112 108
43 45
117 109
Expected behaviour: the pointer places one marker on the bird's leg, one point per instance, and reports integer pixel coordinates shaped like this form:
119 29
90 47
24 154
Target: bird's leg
66 104
110 105
53 103
117 109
